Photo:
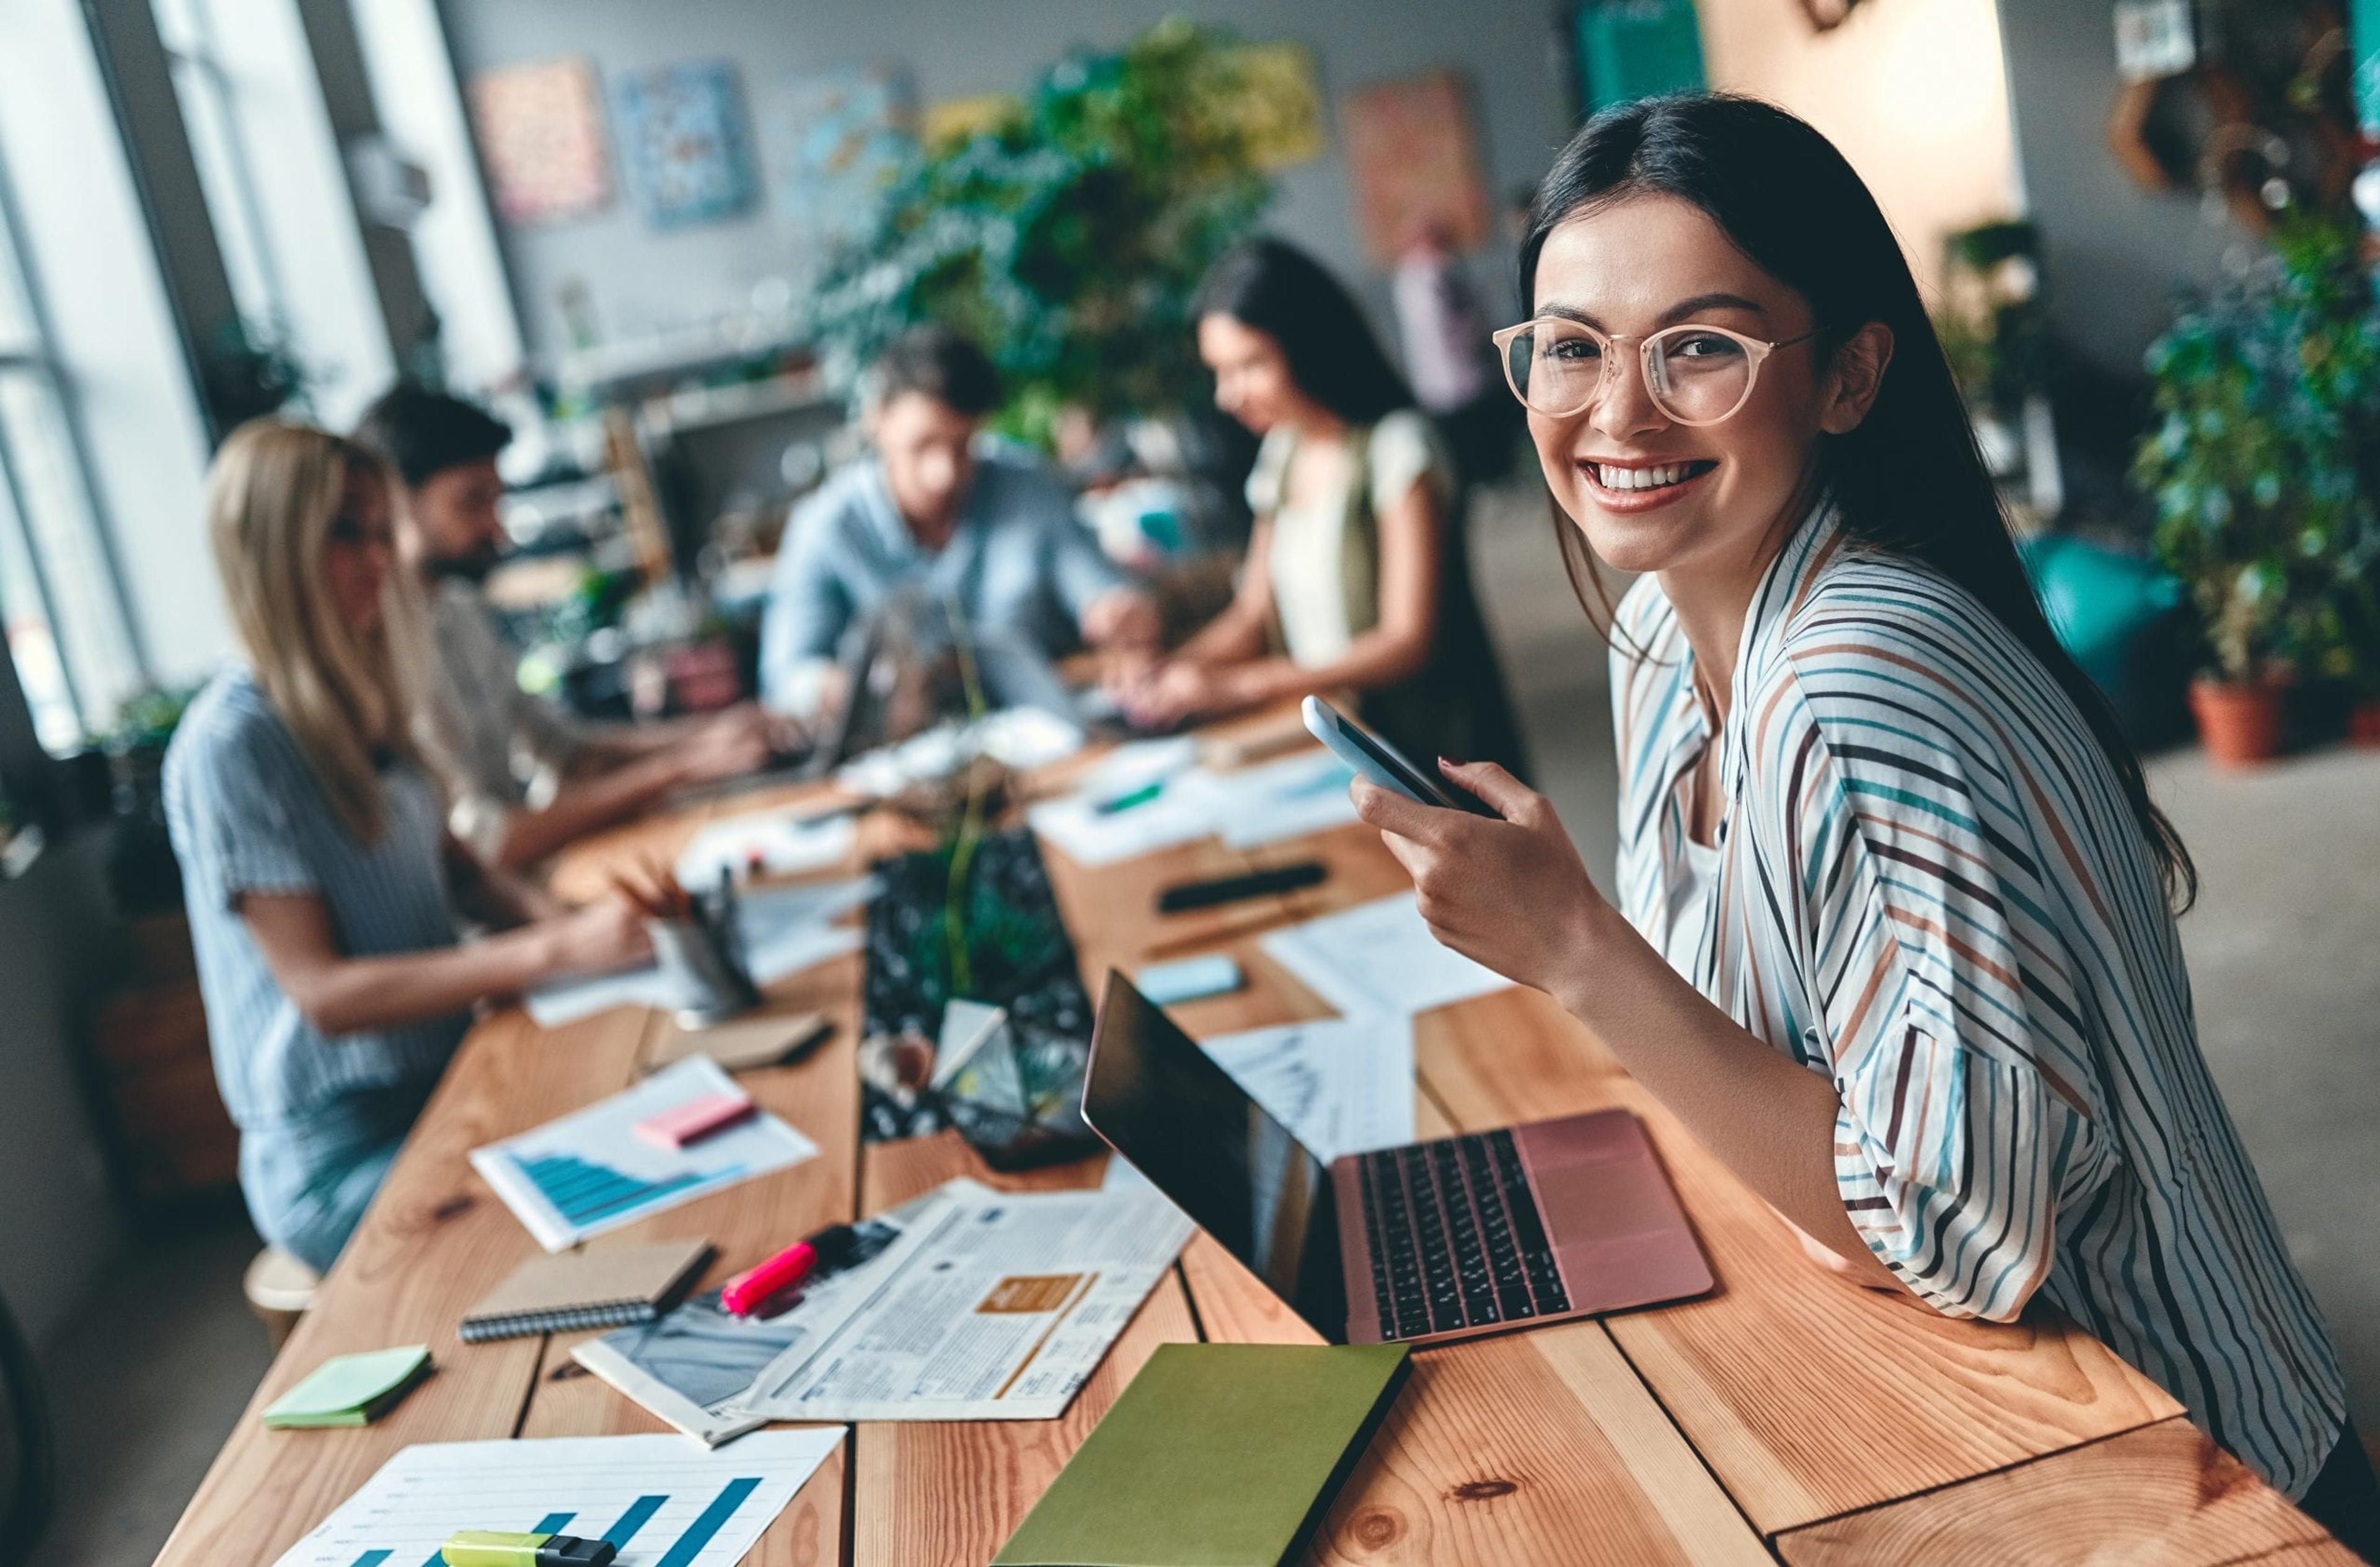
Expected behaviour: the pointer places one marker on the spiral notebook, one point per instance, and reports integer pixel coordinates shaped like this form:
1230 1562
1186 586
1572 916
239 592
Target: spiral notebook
606 1287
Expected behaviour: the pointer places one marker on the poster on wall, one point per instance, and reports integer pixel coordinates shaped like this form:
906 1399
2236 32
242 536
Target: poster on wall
1276 104
685 144
539 128
1415 166
836 139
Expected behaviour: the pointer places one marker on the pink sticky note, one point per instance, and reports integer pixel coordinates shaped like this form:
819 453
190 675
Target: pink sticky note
696 1119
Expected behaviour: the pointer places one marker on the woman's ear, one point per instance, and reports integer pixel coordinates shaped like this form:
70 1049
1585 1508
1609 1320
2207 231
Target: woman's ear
1855 377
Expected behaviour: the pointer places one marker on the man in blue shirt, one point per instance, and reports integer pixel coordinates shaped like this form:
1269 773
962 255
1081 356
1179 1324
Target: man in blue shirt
937 510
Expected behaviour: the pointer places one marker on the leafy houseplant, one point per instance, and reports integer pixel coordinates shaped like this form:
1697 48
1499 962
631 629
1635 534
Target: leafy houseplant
1068 238
2263 469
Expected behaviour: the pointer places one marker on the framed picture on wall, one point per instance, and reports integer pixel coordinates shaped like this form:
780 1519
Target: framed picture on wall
684 143
540 130
1415 164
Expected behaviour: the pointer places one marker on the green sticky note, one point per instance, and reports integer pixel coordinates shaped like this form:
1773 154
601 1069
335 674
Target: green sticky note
351 1389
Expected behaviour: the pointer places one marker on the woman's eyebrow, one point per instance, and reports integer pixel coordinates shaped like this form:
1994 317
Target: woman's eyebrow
1675 313
1701 302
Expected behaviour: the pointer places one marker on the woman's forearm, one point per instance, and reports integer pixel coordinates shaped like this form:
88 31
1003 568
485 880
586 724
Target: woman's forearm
356 995
1769 1118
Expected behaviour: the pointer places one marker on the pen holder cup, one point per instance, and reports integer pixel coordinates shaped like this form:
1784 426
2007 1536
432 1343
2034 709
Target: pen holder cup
705 969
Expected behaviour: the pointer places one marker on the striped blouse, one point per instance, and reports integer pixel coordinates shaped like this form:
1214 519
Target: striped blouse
1930 888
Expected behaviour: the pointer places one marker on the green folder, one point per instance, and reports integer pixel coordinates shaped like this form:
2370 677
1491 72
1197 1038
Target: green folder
351 1389
1218 1456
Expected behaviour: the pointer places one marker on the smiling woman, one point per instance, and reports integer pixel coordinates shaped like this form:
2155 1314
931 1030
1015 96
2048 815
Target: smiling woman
1892 928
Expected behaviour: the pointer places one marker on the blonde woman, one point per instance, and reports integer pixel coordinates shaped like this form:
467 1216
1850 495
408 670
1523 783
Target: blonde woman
321 884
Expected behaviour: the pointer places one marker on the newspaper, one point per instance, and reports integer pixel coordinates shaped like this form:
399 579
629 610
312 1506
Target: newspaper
692 1365
990 1305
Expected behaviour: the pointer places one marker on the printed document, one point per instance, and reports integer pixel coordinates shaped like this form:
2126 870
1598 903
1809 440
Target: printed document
1377 957
1341 1085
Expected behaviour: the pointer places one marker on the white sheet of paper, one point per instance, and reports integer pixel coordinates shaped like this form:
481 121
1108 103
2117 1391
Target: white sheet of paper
1341 1085
588 1173
1377 957
1300 795
1182 810
775 843
675 1502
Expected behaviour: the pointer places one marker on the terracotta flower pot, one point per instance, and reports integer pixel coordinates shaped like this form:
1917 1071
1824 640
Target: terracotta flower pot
2363 723
2240 721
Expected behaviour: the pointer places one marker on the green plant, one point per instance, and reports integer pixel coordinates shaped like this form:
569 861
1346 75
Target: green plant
2265 465
1069 238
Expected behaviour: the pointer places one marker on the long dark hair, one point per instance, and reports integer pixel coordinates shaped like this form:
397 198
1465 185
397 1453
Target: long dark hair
1292 298
1909 479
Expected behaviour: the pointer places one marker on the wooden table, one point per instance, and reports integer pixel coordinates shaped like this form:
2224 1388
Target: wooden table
1786 1415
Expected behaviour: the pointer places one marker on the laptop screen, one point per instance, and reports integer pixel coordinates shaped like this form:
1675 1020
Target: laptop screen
1166 1106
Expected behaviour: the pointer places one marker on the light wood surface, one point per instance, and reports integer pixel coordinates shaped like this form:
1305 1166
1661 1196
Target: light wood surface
1787 1406
2161 1496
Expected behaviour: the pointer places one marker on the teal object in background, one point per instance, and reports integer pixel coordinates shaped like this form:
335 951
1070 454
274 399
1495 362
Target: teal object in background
2364 29
2110 610
1631 49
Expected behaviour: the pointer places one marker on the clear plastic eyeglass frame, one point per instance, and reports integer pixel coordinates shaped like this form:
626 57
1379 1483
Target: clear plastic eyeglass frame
1653 352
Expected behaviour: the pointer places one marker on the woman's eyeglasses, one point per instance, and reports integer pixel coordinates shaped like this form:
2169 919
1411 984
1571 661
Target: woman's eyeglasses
1696 374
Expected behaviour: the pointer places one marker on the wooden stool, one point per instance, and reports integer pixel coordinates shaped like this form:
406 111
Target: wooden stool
279 1289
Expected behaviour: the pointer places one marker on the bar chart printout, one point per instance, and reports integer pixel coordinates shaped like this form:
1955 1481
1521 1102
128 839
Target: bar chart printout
589 1171
662 1501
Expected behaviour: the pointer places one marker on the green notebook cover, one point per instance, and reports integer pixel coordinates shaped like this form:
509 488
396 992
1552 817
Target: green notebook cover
1217 1456
351 1389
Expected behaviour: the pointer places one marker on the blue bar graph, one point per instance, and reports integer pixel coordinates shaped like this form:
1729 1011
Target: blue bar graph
639 1513
373 1558
583 1191
554 1523
714 1518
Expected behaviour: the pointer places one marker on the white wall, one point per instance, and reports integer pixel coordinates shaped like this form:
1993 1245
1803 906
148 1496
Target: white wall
1914 92
642 281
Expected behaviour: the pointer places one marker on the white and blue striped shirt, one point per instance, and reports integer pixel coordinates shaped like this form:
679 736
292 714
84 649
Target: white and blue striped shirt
247 815
1931 887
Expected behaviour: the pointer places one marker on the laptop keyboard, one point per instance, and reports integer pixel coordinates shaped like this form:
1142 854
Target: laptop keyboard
1456 1238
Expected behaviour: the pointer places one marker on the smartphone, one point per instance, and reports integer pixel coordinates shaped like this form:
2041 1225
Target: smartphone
1378 760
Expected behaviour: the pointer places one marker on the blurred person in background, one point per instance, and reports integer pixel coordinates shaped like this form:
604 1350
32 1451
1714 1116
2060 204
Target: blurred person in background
1356 578
322 885
938 509
1451 361
526 777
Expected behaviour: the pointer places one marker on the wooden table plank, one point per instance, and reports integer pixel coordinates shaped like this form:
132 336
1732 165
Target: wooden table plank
435 1240
2160 1496
927 1493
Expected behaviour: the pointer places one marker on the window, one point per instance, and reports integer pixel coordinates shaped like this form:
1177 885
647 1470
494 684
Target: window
204 86
60 599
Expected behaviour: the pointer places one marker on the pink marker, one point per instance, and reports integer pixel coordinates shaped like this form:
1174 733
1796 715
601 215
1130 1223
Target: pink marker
696 1119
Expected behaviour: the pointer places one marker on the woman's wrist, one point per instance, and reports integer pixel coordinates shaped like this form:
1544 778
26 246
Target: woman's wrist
1598 935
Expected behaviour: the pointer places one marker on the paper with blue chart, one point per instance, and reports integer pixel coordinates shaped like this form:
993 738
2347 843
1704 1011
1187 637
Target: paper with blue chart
659 1501
589 1171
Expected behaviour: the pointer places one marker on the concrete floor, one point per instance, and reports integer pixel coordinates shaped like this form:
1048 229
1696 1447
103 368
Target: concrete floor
2281 951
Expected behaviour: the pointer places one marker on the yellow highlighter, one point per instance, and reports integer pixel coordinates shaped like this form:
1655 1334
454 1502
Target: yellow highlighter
494 1548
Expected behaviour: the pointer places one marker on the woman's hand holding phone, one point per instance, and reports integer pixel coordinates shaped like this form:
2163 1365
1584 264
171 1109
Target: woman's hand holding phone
1510 892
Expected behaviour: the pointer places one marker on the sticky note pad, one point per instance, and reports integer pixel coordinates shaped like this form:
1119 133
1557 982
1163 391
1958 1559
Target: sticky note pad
351 1389
1166 984
696 1119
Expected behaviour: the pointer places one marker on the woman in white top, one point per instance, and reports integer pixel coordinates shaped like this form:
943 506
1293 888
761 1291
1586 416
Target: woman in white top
1356 579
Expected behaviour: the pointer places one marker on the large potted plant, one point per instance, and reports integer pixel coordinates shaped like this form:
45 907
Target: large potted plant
2262 471
1068 237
